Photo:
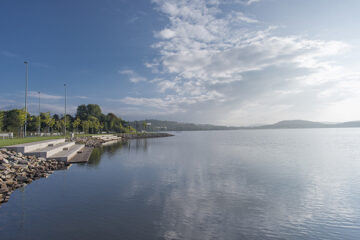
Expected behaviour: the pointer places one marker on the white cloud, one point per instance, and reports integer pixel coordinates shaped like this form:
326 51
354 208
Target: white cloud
81 97
210 55
46 96
133 76
170 103
249 2
166 34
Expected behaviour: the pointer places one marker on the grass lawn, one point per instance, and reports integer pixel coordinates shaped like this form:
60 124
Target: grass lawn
14 141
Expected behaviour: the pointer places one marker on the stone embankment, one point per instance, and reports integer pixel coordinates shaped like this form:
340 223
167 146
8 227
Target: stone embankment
89 141
93 142
17 170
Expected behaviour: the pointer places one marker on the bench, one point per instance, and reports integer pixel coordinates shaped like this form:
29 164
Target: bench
7 135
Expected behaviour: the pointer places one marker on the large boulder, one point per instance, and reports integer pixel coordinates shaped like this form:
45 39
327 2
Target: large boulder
24 162
3 188
21 178
10 182
4 160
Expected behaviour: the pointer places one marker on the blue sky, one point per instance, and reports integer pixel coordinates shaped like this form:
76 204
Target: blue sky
232 62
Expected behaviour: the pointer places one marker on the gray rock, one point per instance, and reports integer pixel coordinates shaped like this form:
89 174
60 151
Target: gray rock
15 166
21 161
4 160
4 188
21 178
10 182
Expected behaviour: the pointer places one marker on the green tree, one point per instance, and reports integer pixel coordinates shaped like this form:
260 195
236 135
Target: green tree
14 120
94 110
62 123
85 126
82 112
2 119
56 117
76 123
85 111
58 126
94 124
144 125
111 120
46 119
89 117
33 123
51 124
129 129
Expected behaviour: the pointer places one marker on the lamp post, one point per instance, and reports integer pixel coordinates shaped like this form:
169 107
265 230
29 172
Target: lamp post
65 112
26 89
39 115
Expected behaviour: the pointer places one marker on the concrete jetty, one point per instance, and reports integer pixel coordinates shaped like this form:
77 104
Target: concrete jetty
30 147
57 149
83 157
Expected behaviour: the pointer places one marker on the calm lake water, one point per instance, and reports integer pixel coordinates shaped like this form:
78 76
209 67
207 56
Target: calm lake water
247 184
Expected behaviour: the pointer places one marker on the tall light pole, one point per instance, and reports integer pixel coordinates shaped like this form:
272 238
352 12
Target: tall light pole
39 115
26 89
65 111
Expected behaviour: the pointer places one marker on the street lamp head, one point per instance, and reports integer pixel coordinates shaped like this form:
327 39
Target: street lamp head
25 62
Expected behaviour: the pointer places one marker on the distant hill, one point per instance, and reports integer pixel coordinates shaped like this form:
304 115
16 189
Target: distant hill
158 125
308 124
296 124
349 124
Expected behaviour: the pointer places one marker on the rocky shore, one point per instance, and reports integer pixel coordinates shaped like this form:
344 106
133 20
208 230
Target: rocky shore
97 142
18 170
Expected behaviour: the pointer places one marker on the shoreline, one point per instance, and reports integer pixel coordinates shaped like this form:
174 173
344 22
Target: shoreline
17 170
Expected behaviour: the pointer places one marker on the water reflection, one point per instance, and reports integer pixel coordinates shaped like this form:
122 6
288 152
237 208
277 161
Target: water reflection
138 145
268 187
110 150
285 184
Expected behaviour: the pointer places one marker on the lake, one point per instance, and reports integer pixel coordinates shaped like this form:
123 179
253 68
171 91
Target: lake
246 184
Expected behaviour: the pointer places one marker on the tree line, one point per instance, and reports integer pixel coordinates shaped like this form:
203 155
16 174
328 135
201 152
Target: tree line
88 119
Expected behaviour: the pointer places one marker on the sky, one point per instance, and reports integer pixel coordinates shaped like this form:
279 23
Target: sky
225 62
